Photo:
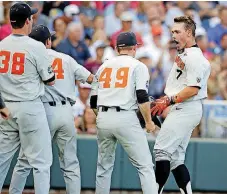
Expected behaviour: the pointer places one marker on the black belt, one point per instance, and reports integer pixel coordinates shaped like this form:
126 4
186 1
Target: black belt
105 108
54 103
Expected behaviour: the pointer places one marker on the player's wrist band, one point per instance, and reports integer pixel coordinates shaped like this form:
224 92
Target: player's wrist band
175 99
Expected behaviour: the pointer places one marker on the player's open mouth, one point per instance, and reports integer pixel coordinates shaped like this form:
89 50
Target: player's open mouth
177 43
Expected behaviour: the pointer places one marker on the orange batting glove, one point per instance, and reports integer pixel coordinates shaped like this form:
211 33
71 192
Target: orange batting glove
160 105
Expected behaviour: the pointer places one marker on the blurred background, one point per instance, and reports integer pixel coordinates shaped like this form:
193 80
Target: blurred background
87 31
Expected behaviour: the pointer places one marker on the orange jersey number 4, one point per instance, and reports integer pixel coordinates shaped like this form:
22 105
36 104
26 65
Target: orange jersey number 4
58 68
121 77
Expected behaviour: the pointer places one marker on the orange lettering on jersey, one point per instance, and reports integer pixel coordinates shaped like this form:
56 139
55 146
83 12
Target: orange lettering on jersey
17 63
122 77
105 77
58 68
179 62
5 61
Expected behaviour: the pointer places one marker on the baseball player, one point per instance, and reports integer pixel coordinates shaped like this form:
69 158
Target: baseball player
57 102
186 87
4 112
24 68
120 83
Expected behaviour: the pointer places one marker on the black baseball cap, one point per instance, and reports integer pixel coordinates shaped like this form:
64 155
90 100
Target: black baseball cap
41 33
21 11
126 39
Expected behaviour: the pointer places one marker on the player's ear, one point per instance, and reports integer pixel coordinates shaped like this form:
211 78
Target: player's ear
189 32
27 21
117 50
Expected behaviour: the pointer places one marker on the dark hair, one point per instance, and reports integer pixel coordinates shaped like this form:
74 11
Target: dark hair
19 23
188 23
65 19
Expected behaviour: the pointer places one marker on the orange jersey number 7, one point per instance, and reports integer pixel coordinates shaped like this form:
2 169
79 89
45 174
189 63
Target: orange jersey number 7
121 77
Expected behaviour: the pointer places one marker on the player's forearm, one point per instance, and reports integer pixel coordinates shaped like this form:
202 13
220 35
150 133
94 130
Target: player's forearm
145 110
90 78
2 104
95 111
185 94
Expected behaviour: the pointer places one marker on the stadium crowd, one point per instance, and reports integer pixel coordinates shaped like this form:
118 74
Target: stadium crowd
87 32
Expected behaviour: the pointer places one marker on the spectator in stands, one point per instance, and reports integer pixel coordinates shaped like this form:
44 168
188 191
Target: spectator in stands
155 40
89 121
95 64
5 29
39 17
112 21
59 25
86 18
167 58
215 34
203 44
87 9
49 5
100 36
222 77
98 23
81 103
72 12
223 43
126 22
73 45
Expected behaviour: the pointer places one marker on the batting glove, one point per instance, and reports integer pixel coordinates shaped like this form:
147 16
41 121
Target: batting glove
160 105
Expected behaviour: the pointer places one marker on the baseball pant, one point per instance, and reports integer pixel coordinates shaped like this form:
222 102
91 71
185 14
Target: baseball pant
29 129
173 138
61 123
123 126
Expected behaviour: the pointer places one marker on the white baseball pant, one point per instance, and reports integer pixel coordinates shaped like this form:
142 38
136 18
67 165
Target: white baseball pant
124 127
174 136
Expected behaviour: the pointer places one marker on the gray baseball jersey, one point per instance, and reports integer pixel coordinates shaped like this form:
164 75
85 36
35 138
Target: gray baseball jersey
21 68
116 83
118 79
24 65
190 68
67 70
61 122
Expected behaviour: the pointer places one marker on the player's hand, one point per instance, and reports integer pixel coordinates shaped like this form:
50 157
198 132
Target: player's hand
5 113
150 127
160 105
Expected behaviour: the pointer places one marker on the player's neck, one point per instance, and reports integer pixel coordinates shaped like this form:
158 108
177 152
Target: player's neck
190 44
126 53
19 31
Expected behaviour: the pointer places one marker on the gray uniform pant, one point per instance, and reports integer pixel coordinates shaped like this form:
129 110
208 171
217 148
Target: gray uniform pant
61 123
123 127
29 129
